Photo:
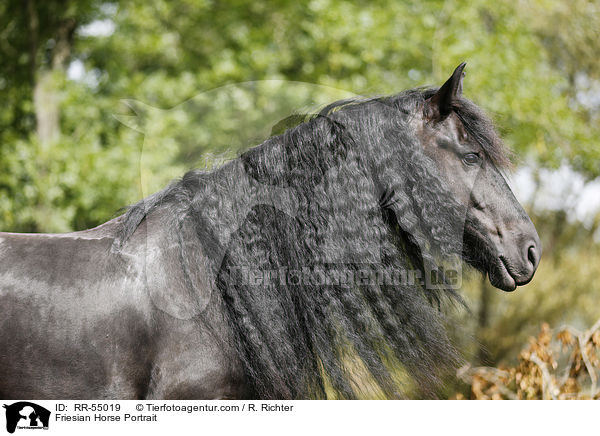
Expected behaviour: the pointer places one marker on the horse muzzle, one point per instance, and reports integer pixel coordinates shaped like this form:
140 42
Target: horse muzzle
518 262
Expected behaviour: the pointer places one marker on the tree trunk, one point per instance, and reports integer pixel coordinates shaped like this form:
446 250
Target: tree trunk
47 73
46 103
46 76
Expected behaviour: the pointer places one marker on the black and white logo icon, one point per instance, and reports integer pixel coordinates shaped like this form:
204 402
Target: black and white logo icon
26 415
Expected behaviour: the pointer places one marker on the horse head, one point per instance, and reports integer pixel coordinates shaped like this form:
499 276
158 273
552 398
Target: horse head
499 238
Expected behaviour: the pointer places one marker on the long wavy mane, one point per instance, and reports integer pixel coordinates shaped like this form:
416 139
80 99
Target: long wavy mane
299 335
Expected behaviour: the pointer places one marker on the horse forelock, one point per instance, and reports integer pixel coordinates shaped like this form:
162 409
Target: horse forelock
478 125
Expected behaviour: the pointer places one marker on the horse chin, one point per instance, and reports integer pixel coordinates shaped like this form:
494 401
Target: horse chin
500 277
484 258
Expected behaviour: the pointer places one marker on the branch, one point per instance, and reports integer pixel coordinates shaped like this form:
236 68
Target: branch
547 383
489 374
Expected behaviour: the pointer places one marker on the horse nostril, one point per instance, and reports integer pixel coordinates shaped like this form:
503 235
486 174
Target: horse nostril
533 256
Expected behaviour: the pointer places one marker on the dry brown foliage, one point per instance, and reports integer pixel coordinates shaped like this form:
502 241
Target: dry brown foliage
558 364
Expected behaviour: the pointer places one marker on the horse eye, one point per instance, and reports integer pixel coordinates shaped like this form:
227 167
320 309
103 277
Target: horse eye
471 158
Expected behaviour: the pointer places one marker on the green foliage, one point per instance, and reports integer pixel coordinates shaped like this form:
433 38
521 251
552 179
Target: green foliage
164 53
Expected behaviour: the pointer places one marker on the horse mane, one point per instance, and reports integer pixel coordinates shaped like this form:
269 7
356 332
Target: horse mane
311 339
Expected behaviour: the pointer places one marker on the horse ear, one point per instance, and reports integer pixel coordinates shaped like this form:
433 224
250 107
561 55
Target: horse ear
439 105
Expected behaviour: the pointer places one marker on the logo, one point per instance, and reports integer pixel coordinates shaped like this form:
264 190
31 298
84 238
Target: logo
26 415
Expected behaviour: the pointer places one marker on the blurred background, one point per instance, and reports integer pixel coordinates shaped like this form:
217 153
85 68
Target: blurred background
84 85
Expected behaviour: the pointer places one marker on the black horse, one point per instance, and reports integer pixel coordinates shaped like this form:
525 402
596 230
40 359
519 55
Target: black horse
317 257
